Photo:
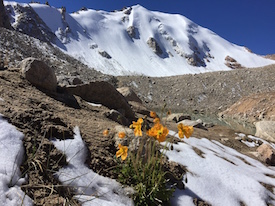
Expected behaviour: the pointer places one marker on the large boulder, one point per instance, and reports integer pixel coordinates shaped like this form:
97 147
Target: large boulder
39 74
266 130
101 92
129 94
266 154
139 108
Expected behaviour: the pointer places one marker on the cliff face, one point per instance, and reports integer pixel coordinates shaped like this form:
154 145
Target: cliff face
4 20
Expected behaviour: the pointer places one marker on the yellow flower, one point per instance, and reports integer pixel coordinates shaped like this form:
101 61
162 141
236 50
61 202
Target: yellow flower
156 120
121 135
137 127
122 152
106 132
159 132
185 130
153 114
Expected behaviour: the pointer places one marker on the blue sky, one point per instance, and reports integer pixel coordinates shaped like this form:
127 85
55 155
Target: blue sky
249 23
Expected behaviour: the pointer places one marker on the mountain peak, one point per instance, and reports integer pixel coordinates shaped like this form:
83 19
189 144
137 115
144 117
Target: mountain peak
140 41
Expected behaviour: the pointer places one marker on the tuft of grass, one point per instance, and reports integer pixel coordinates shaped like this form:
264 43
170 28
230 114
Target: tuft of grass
146 175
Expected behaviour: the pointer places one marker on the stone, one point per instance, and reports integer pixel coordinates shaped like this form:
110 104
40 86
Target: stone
117 117
153 44
101 92
265 130
139 108
39 74
77 81
232 63
198 123
129 140
129 94
131 30
177 117
266 154
104 54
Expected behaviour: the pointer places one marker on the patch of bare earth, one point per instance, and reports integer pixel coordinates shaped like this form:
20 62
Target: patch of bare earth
41 116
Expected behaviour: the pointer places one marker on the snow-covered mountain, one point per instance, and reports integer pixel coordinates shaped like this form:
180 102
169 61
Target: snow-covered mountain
135 41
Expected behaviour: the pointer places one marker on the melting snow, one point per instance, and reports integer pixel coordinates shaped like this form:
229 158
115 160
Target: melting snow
11 157
221 175
91 188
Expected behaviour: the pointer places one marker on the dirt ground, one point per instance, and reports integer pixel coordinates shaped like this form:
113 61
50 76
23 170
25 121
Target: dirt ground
40 116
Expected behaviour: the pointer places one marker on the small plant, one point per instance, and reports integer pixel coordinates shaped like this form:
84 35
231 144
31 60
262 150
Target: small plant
143 168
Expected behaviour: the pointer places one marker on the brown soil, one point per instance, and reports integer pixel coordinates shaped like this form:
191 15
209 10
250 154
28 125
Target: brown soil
40 116
253 108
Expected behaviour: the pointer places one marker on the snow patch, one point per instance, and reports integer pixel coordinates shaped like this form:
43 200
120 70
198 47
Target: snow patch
91 188
11 157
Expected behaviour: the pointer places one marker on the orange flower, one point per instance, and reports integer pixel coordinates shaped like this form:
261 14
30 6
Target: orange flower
122 152
185 130
121 135
156 120
159 132
153 114
106 132
137 127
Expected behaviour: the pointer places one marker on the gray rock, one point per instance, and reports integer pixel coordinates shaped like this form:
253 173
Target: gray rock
129 94
104 54
153 44
266 130
101 92
39 74
266 154
177 117
232 63
133 32
198 123
117 117
139 108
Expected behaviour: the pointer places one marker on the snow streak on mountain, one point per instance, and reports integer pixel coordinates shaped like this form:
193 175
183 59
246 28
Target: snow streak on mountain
138 41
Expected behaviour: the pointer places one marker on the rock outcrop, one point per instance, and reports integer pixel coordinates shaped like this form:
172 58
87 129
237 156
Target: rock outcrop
266 130
104 54
232 63
266 154
129 94
256 107
28 22
4 19
131 30
153 44
39 74
102 93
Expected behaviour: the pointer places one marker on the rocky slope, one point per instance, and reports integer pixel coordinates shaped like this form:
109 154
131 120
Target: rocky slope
253 108
206 93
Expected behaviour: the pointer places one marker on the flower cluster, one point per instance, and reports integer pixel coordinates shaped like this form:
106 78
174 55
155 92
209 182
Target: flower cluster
158 132
185 130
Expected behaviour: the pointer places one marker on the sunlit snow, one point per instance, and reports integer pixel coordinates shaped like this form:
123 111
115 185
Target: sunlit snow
11 157
84 34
